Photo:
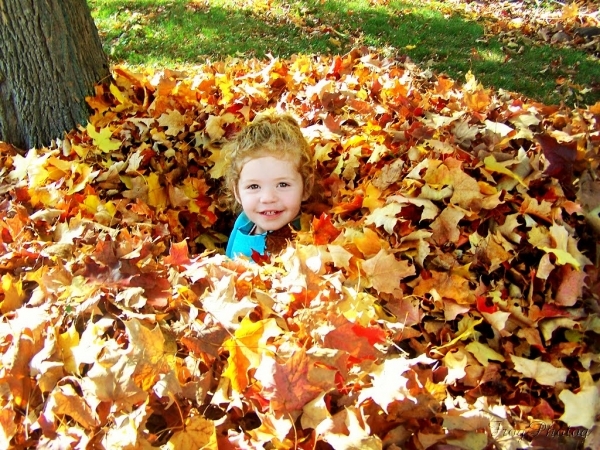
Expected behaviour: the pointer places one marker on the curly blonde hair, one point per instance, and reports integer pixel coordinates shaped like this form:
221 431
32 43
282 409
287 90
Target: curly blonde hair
269 134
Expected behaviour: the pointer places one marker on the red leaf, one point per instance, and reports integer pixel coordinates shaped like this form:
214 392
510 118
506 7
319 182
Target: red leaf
372 334
482 305
561 157
345 338
260 259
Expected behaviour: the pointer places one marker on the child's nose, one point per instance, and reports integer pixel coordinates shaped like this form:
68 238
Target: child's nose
268 196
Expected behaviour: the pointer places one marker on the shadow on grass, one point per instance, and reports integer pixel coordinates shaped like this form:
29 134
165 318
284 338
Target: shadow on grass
176 32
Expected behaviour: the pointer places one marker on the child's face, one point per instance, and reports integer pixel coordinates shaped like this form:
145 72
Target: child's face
270 191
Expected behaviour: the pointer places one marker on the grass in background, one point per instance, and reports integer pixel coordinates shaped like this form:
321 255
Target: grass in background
174 33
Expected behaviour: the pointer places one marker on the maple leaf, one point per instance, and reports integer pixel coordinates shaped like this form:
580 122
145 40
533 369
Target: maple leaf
483 353
215 125
561 158
445 226
385 217
466 330
452 286
14 295
353 340
157 196
455 362
430 210
492 165
67 341
288 386
358 435
466 192
8 428
571 287
219 163
246 348
542 372
575 414
323 230
103 139
273 429
64 400
178 254
174 121
385 271
198 433
222 304
388 383
315 414
148 352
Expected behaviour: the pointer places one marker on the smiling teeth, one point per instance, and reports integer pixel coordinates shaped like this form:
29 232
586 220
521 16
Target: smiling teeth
270 213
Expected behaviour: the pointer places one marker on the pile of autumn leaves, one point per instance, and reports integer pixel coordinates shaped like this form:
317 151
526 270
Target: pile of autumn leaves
443 292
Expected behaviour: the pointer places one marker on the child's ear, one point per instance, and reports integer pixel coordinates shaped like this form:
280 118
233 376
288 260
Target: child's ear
236 195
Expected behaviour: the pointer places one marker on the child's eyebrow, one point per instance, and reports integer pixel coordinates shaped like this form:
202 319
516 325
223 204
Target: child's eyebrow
264 180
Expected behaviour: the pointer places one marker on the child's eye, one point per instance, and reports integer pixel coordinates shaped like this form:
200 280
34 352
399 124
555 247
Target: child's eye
283 184
253 186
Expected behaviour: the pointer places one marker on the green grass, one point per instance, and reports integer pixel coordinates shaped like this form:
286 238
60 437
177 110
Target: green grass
172 33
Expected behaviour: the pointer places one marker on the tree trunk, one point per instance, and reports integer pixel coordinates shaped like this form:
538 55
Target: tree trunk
50 59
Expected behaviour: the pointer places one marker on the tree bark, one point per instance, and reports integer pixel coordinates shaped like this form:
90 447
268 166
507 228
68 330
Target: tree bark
50 59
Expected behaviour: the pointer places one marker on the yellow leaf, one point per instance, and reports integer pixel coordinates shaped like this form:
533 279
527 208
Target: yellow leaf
66 342
367 242
13 294
82 176
492 165
483 353
157 196
246 349
198 434
563 257
372 199
437 390
102 139
570 11
335 42
92 202
114 90
218 168
466 329
456 362
339 256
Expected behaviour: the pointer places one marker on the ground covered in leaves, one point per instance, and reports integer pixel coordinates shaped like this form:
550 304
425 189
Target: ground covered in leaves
574 24
443 292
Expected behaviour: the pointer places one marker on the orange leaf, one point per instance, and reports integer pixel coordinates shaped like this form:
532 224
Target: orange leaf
288 386
385 271
323 230
178 254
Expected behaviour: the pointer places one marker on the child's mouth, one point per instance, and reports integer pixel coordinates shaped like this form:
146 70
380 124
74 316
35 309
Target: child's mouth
270 213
